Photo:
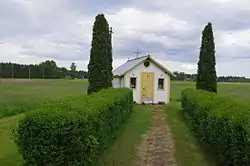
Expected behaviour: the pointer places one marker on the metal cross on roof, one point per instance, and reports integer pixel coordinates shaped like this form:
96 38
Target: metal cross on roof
137 53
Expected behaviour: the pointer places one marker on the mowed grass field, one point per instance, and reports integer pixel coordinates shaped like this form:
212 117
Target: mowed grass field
19 95
237 90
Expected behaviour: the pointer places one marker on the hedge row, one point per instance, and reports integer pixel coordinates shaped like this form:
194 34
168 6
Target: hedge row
73 131
222 124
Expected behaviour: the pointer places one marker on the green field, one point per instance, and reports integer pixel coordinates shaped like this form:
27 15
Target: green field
236 90
18 95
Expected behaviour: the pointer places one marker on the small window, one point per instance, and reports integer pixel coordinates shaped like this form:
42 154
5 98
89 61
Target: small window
146 63
160 83
133 82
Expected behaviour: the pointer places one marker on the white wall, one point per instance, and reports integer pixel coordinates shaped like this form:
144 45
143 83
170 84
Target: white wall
122 81
159 95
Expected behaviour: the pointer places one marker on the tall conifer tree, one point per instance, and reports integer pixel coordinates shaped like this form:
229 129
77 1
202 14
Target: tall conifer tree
98 67
206 74
110 60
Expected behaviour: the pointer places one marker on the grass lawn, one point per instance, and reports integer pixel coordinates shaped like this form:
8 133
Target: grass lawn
123 151
8 151
19 95
188 151
237 90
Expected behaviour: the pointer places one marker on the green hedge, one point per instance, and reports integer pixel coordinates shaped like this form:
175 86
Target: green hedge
73 131
222 124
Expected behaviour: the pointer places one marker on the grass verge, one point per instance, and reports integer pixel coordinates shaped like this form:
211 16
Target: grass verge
123 151
9 155
187 148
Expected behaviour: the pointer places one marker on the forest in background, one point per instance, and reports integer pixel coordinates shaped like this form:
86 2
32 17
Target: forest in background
44 70
182 76
49 70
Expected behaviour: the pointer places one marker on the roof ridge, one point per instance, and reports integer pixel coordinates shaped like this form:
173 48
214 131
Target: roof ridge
133 62
138 58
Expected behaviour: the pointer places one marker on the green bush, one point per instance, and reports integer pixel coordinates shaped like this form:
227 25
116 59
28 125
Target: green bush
68 77
73 131
221 123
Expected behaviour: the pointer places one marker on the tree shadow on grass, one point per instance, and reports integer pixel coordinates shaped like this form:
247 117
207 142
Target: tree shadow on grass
209 156
189 149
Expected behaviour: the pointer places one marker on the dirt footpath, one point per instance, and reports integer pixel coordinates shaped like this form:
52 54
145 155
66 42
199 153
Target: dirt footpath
157 147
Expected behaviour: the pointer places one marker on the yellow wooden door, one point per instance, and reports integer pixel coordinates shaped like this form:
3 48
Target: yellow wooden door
147 86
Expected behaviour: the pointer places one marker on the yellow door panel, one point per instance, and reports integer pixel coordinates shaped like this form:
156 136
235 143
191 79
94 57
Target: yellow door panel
147 86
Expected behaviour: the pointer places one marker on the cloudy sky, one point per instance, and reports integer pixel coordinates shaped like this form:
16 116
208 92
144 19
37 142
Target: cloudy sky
32 31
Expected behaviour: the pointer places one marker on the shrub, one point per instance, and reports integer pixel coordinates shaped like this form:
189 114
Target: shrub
73 131
68 77
221 123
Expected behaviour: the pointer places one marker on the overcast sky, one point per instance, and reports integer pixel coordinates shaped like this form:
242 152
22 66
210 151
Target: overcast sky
32 31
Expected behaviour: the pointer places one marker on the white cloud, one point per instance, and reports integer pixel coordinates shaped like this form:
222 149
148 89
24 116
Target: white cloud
239 38
33 31
131 19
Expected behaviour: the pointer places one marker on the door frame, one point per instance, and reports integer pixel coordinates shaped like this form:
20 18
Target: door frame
153 85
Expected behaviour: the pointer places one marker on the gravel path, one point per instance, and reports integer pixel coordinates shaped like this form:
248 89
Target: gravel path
157 147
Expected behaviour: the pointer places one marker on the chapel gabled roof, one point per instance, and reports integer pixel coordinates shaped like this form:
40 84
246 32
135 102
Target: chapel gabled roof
130 64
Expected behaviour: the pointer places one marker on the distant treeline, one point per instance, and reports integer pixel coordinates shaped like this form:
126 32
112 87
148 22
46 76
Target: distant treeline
181 76
47 70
